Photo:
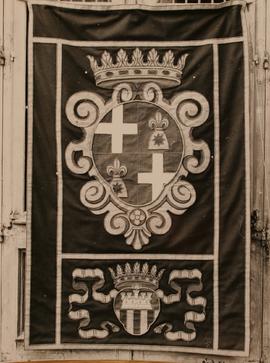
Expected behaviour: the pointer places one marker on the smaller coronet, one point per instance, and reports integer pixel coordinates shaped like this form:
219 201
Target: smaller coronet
166 72
129 277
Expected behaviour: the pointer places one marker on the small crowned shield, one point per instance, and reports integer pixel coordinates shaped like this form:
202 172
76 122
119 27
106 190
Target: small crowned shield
136 305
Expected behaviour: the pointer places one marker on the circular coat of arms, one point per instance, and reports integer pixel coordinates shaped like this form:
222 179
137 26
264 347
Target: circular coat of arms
137 147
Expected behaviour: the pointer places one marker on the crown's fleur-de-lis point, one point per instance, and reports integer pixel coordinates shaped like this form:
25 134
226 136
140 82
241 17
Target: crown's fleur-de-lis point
182 61
106 59
154 270
137 267
122 57
168 59
119 270
112 273
127 268
153 57
145 268
137 58
93 63
161 272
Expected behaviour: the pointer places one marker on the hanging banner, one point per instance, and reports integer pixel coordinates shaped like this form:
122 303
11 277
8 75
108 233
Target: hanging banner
138 186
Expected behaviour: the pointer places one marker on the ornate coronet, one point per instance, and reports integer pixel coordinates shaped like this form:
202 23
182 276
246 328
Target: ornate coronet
128 276
167 73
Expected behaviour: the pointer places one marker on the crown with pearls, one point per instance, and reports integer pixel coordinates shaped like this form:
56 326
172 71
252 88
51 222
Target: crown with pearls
136 276
165 72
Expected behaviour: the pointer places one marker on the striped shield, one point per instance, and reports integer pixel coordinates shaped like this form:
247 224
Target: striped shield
137 309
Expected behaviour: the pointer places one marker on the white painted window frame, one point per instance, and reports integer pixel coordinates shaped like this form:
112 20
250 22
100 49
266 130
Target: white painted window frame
12 174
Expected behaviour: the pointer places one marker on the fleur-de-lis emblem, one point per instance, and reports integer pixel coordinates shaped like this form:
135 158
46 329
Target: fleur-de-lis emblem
159 122
158 139
117 172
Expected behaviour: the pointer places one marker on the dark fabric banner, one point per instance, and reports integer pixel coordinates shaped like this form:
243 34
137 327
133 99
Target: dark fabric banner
138 186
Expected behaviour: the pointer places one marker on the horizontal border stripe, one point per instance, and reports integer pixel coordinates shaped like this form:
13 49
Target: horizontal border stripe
135 256
83 43
157 7
157 348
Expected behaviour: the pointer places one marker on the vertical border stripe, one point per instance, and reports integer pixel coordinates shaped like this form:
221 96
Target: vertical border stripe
29 178
216 196
59 191
248 191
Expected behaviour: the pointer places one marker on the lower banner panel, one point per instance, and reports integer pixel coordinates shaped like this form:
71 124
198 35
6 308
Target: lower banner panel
136 302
